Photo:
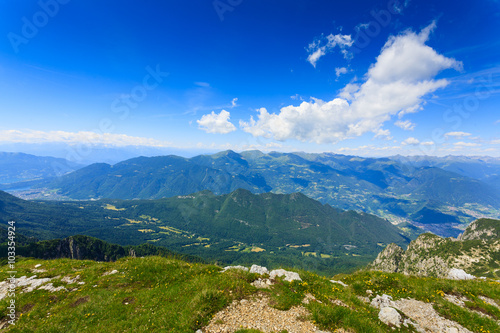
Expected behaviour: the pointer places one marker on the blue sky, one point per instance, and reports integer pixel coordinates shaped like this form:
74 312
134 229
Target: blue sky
372 78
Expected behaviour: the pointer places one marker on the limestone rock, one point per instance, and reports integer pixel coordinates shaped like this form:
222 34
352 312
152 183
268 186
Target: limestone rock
289 276
114 271
50 287
339 282
383 301
390 316
262 283
459 274
388 260
235 267
258 269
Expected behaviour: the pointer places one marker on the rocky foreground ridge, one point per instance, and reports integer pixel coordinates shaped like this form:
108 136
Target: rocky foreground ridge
157 294
475 251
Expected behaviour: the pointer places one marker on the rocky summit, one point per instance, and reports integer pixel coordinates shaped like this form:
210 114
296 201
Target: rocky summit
475 253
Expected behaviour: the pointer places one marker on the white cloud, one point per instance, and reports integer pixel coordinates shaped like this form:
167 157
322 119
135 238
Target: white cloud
402 75
82 137
407 125
410 141
324 45
233 103
340 70
457 135
412 109
296 97
495 142
466 144
384 134
427 143
216 123
362 26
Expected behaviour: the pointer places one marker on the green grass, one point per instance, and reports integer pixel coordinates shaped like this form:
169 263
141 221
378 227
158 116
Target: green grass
158 294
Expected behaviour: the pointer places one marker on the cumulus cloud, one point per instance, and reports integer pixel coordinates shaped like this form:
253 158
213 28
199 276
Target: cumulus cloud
427 143
324 45
407 125
402 75
457 135
410 141
82 137
216 123
384 134
340 71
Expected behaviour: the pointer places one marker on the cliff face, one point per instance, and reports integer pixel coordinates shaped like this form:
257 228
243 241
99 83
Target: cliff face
388 260
477 252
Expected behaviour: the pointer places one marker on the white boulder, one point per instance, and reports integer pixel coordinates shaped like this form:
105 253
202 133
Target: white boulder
459 274
243 268
258 269
390 316
289 276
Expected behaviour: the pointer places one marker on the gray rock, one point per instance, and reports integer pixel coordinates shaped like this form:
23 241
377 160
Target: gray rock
390 316
339 282
383 301
459 274
235 267
262 284
114 271
50 287
258 269
70 280
289 276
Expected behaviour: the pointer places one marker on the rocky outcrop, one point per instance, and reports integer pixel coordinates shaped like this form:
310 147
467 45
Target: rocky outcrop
390 316
241 268
388 260
476 251
459 274
258 269
288 276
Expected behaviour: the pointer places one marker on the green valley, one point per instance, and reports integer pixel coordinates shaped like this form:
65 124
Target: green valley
240 227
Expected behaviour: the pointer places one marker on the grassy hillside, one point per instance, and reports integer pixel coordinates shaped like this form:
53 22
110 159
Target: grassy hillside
240 227
156 294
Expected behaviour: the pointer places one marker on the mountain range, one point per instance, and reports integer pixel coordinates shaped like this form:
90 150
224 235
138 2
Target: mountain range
20 167
437 194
